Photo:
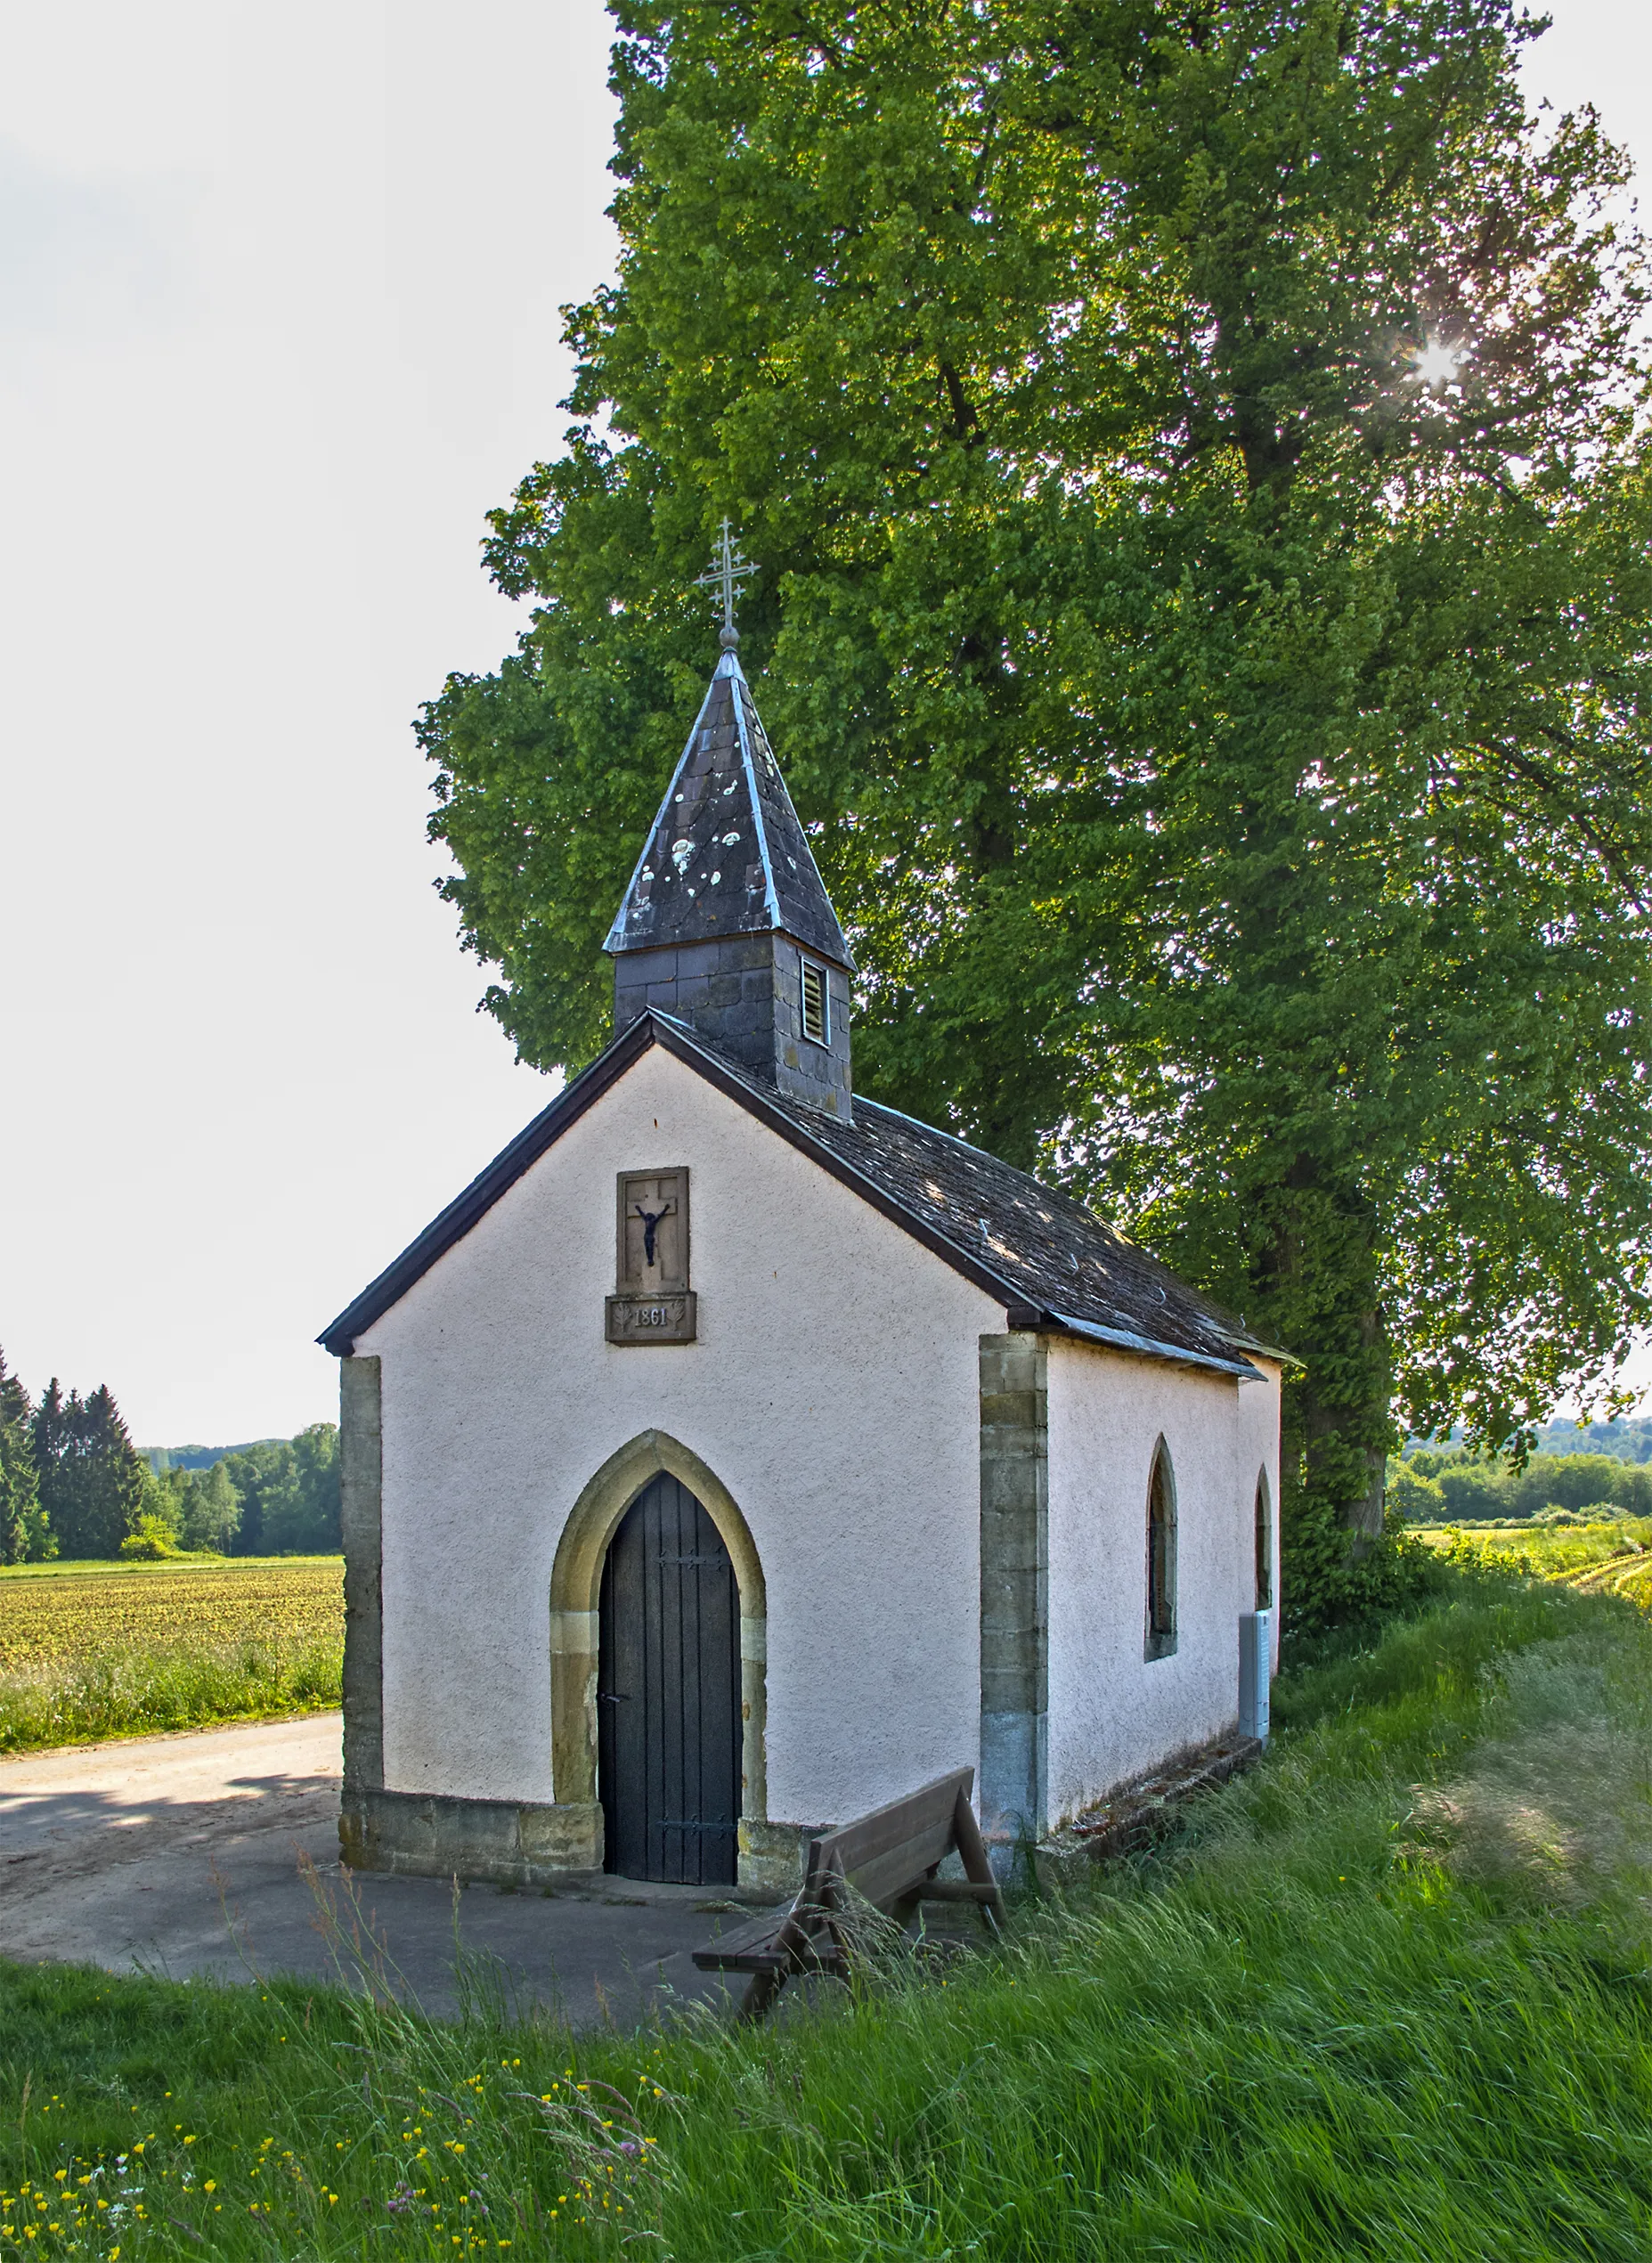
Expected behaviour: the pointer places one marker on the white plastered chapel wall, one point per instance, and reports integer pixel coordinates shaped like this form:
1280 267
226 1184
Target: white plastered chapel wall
1112 1712
833 1391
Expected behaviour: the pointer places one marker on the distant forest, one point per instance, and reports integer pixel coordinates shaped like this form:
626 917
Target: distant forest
1573 1474
1443 1485
72 1484
162 1458
1629 1441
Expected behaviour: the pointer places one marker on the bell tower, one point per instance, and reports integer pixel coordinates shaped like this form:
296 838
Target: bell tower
727 924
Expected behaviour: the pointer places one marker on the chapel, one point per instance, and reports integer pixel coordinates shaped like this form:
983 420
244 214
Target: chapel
735 1453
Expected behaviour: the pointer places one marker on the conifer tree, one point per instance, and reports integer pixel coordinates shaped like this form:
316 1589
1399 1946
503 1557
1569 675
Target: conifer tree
48 1434
1197 459
24 1534
91 1476
15 1404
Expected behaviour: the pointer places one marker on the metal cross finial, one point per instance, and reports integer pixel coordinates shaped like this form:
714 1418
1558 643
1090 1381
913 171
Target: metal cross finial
726 567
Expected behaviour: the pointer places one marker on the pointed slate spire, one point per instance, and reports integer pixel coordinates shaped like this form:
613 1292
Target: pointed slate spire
727 907
726 855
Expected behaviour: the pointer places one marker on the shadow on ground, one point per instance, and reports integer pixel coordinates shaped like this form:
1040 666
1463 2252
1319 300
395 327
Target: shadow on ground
218 1853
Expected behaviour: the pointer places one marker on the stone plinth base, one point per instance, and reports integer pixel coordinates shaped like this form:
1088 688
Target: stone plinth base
524 1843
505 1841
1147 1809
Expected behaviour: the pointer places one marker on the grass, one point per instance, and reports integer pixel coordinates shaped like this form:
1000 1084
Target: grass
1612 1557
1390 1996
108 1650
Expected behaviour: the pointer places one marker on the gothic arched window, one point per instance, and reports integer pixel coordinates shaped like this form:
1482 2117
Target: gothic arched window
1264 1547
1161 1557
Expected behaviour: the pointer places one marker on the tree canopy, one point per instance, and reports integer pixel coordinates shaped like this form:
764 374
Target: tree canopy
1197 460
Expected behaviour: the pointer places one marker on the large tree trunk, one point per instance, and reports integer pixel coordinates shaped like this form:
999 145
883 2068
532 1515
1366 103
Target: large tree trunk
1321 1288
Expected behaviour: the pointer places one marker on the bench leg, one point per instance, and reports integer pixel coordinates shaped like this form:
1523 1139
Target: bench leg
761 1993
977 1862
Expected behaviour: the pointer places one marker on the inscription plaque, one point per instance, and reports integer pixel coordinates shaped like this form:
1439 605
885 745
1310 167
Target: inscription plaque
651 1302
651 1319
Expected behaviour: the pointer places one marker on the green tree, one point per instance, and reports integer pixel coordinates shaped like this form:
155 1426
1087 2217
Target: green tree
1596 1481
25 1536
308 1523
1197 459
159 1502
211 1510
1432 1484
1414 1499
90 1474
1478 1489
266 1477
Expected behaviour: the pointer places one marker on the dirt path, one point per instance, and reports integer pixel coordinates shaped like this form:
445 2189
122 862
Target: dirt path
184 1855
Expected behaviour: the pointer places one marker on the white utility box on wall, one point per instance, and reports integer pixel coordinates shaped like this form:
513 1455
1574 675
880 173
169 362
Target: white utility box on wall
1256 1659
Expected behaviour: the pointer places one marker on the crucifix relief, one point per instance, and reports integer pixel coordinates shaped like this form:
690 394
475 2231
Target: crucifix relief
651 1302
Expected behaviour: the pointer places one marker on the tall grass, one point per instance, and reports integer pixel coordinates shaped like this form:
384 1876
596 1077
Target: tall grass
141 1692
1388 1996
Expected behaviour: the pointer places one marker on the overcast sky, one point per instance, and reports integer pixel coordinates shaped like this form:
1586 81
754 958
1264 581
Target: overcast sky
278 295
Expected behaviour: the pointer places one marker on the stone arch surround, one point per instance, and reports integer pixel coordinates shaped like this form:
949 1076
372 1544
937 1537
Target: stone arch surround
576 1587
1264 1499
1162 1644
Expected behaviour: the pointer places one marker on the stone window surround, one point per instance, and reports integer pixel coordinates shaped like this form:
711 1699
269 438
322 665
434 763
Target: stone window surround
1160 1642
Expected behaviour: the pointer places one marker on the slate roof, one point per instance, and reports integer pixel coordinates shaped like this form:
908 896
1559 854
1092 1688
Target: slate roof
726 855
1053 1264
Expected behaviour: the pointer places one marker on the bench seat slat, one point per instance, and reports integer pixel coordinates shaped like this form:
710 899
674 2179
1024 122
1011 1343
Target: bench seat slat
771 1960
759 1934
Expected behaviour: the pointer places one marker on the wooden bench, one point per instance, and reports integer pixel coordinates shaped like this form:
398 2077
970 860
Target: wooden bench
888 1858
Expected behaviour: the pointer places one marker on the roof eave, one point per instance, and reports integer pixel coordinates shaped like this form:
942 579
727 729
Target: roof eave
654 1028
764 926
1154 1347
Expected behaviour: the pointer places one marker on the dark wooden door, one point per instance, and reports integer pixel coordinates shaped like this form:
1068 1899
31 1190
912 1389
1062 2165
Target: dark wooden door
668 1694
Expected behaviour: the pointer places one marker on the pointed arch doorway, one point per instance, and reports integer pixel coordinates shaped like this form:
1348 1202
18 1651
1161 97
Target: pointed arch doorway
669 1728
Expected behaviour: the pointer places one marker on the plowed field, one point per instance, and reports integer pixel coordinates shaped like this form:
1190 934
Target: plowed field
90 1654
80 1615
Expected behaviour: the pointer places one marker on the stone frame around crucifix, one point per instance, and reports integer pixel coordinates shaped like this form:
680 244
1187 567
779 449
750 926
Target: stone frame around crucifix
651 1302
